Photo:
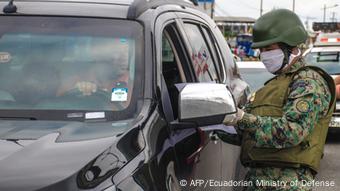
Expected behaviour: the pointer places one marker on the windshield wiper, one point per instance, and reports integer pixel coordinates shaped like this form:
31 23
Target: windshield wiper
17 118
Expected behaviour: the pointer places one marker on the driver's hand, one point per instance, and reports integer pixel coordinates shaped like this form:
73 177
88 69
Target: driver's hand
87 88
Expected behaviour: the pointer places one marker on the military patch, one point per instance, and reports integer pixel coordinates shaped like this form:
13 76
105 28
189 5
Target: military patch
302 106
299 84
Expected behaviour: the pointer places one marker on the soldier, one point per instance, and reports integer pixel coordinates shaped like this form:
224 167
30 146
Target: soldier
284 125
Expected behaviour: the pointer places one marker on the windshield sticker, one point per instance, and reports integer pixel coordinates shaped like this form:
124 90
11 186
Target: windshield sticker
200 60
119 94
75 115
123 40
5 57
95 115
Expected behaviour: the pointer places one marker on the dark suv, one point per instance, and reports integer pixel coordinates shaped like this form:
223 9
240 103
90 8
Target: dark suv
115 95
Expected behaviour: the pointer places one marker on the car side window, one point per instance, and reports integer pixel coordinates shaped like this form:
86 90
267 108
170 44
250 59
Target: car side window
201 56
215 51
173 65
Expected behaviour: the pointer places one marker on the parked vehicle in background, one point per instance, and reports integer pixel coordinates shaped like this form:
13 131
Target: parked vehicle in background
254 73
327 39
113 95
327 56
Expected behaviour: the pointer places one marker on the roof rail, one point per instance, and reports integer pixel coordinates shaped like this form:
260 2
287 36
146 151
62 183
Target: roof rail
140 6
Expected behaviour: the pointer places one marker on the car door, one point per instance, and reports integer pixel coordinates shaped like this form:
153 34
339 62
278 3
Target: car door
169 57
207 68
206 56
198 158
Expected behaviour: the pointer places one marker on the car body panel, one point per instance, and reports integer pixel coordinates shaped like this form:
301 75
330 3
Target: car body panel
70 8
31 165
146 152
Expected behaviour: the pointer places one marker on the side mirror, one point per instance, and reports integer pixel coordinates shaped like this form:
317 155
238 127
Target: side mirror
204 103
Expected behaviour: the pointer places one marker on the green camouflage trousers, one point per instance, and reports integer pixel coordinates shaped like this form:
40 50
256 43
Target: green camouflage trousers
282 179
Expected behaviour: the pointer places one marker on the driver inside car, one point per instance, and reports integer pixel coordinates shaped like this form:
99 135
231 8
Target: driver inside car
101 73
99 77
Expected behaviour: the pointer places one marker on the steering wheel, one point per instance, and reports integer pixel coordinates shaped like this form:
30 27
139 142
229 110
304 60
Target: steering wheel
75 92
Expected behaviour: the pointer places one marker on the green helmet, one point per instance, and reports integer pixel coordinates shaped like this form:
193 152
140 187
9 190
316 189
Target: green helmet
280 25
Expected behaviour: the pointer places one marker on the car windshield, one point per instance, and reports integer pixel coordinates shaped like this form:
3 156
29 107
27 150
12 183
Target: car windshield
329 61
69 64
255 77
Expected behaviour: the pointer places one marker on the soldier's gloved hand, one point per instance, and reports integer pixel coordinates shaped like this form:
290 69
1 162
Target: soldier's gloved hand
233 119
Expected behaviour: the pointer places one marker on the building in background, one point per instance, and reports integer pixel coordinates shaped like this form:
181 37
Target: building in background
232 26
238 33
207 6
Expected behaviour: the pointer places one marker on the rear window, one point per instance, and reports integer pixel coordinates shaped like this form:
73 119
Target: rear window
329 61
73 65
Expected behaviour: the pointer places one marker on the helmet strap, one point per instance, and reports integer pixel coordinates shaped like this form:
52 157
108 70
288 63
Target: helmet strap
287 51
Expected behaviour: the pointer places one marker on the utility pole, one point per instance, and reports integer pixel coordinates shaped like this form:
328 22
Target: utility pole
261 7
324 13
324 10
212 9
333 19
294 6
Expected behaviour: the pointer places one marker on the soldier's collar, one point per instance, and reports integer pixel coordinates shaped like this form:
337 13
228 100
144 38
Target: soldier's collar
294 67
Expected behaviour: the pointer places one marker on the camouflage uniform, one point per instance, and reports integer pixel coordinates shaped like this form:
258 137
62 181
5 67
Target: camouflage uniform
309 97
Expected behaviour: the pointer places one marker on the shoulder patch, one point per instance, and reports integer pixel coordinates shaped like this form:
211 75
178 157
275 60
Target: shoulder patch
308 73
303 106
299 84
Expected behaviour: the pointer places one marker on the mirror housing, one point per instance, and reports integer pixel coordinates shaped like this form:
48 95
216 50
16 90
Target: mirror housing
204 103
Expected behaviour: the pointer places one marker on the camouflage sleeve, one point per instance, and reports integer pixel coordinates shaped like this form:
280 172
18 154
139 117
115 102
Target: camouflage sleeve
308 98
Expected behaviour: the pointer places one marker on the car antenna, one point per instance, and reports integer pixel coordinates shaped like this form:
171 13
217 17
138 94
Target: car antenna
10 8
195 2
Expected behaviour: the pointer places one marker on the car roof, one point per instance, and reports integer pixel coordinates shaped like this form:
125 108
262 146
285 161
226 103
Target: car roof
124 2
326 49
129 9
77 8
251 64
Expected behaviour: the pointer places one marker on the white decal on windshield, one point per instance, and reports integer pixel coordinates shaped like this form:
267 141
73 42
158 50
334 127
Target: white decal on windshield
123 40
95 115
119 94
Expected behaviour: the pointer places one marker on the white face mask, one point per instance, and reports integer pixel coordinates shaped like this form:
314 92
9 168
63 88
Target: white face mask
272 59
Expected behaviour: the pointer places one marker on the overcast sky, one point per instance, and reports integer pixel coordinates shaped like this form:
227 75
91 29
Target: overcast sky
306 9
